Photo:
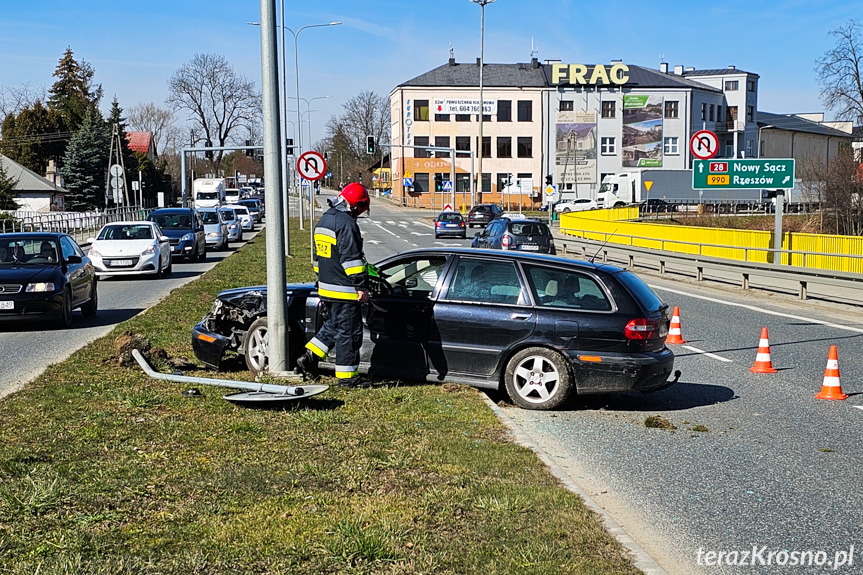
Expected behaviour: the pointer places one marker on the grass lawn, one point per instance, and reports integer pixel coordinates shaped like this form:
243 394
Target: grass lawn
105 471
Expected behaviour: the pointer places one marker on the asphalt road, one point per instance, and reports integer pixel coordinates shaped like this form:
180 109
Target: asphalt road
29 348
771 467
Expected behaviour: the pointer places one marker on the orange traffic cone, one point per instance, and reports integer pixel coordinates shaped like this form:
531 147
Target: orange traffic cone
762 360
674 335
831 388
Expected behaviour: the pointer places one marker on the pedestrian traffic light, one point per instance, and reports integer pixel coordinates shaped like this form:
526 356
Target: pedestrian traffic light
438 182
370 145
548 180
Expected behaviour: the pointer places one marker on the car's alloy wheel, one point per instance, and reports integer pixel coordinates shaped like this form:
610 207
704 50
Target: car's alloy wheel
66 317
255 346
90 308
538 378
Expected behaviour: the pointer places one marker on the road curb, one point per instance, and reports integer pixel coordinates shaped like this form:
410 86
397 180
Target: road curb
641 558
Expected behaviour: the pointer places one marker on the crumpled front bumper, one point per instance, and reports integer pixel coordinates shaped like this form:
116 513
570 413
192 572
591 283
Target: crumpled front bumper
209 347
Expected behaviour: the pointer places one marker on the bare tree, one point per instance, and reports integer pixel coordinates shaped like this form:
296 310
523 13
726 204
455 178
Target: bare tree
366 114
151 118
13 99
840 73
839 190
217 99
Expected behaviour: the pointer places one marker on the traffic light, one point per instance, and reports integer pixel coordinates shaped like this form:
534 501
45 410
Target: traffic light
289 145
209 153
249 151
370 145
438 182
548 180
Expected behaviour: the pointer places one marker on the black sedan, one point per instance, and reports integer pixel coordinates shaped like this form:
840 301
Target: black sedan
540 327
44 276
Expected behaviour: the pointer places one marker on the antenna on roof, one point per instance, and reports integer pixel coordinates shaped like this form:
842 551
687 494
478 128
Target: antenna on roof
662 58
451 52
534 50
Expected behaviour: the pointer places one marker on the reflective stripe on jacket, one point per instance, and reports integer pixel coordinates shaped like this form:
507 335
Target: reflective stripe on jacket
339 259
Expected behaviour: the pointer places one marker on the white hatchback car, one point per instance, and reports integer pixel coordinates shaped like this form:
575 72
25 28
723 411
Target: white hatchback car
131 248
243 213
576 205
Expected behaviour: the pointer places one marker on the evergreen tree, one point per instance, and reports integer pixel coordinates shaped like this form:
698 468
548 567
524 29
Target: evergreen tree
85 164
34 136
7 190
74 93
128 157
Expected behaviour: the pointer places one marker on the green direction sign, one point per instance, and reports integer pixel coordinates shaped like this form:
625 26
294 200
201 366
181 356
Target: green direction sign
721 174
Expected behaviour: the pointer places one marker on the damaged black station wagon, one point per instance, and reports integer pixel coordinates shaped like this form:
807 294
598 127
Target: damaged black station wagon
540 327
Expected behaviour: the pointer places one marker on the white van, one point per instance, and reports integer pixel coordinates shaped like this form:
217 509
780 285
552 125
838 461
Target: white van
208 192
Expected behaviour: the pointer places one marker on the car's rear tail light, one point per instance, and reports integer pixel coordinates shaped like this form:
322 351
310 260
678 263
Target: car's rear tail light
438 224
641 329
506 240
461 224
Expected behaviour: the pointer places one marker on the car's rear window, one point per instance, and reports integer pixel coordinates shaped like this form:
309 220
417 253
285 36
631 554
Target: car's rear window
481 209
529 229
640 290
452 217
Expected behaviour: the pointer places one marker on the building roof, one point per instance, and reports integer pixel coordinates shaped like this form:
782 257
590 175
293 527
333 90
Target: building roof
139 141
28 180
718 72
857 134
536 75
794 123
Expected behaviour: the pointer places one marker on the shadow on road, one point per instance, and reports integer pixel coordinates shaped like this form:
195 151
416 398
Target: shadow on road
677 397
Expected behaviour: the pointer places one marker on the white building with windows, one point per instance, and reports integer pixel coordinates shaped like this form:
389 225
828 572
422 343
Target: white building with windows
573 122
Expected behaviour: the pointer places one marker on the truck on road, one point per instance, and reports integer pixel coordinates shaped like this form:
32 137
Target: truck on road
208 192
672 186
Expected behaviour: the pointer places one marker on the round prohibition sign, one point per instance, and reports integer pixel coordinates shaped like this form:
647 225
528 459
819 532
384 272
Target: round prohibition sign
311 165
704 144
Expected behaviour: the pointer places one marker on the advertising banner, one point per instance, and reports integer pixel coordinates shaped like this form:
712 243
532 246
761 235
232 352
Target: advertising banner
575 147
464 106
642 131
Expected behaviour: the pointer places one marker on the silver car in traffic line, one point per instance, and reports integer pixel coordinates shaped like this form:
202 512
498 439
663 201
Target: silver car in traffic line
215 228
235 227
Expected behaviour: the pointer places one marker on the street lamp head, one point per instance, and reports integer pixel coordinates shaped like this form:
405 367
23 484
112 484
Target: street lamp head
482 2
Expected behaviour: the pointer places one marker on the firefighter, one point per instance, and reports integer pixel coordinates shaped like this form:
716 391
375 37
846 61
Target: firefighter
342 285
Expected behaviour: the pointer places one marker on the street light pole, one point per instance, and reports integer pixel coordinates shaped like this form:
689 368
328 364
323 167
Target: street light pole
299 120
283 139
482 4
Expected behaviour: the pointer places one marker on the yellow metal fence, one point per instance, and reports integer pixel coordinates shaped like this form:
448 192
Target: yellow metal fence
816 251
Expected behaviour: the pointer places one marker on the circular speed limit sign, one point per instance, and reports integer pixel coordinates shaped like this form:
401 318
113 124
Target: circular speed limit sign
311 165
704 144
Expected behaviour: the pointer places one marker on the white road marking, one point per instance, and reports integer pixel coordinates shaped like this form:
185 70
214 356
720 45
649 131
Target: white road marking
386 230
707 353
419 234
857 406
376 242
403 223
423 224
390 221
760 310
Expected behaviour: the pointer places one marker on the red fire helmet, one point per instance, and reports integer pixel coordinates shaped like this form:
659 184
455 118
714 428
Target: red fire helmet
357 197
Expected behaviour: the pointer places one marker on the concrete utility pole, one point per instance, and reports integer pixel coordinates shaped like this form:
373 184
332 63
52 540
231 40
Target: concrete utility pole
277 349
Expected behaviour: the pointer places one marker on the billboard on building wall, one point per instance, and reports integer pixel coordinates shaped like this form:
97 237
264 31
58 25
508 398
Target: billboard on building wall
642 131
575 147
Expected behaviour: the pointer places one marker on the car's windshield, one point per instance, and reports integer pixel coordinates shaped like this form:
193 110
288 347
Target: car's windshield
208 196
182 221
126 232
251 204
242 211
228 214
30 252
210 217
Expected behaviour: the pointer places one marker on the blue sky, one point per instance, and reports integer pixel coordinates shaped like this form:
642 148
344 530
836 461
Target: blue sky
135 46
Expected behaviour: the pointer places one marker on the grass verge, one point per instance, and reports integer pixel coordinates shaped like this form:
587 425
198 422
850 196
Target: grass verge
103 470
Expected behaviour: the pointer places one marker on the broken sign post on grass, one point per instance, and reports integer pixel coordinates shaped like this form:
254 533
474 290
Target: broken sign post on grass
255 392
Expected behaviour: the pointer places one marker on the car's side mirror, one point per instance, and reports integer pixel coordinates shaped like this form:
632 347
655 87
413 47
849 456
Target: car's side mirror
476 235
74 260
411 283
91 240
164 239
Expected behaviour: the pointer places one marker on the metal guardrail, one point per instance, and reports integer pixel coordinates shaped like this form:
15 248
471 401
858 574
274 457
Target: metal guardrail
773 275
80 225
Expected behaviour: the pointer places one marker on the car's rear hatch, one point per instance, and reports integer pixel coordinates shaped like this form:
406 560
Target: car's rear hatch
529 236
